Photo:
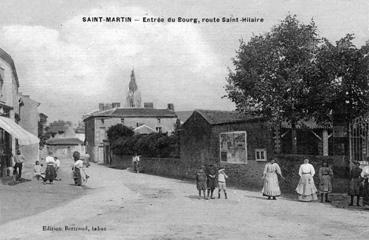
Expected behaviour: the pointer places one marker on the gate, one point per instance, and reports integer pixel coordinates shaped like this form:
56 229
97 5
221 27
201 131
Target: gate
358 139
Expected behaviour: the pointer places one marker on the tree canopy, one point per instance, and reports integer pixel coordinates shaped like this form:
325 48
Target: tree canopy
291 74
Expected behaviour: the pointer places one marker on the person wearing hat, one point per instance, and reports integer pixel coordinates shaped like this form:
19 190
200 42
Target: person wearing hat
355 181
271 186
222 182
325 181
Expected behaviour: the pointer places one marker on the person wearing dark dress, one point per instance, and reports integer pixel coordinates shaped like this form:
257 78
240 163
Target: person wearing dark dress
211 174
325 178
355 182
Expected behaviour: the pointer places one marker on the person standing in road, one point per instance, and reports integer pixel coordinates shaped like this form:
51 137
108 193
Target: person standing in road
211 180
222 182
201 181
18 159
50 173
306 188
271 186
325 181
355 183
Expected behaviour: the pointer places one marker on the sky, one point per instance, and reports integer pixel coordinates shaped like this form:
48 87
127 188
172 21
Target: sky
70 66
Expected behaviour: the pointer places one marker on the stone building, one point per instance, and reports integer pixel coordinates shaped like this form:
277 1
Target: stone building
144 119
11 134
241 144
97 124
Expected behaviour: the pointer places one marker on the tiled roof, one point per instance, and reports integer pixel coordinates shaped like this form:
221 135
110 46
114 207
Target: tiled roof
135 112
215 117
64 141
7 58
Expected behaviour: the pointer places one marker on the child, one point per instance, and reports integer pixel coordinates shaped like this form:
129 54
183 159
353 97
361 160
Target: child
201 182
37 170
222 182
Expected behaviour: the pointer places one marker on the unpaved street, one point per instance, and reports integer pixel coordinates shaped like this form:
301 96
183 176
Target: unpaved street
140 206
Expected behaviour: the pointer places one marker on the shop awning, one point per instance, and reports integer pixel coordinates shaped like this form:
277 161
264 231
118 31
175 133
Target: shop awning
24 137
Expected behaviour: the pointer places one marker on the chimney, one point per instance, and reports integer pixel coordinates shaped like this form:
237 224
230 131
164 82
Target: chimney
149 105
101 106
171 107
115 105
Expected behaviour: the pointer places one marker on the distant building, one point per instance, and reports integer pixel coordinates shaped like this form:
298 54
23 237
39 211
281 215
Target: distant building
63 148
97 124
141 120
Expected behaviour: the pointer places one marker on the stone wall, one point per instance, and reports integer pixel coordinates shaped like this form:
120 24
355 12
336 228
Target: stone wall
245 176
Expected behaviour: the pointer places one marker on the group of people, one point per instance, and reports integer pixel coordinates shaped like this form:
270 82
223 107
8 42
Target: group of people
209 178
49 172
306 188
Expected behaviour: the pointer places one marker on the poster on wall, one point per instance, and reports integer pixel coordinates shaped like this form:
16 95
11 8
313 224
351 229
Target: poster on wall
233 147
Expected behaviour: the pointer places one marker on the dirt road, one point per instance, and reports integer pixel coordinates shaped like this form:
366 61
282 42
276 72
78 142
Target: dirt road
123 205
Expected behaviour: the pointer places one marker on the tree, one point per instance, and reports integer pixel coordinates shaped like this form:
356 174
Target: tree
271 73
340 83
119 131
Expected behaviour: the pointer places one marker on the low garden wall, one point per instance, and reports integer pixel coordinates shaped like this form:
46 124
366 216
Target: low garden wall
246 176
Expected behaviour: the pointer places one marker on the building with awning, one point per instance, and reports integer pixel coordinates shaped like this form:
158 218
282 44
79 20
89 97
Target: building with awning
12 135
23 136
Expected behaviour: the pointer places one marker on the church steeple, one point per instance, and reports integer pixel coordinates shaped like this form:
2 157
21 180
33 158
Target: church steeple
133 97
132 83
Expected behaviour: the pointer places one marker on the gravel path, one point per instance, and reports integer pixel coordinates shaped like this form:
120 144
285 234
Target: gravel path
124 205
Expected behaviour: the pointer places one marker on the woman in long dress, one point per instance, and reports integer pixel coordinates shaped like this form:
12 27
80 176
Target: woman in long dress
79 174
306 188
271 186
325 181
50 173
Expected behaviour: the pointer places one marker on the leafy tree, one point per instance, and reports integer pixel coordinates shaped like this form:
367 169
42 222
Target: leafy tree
271 72
340 82
118 131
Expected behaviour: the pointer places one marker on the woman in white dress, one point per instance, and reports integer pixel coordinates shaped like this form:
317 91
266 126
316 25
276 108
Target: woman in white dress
306 188
271 186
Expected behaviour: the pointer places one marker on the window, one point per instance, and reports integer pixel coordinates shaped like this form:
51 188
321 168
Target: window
260 154
159 129
233 147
